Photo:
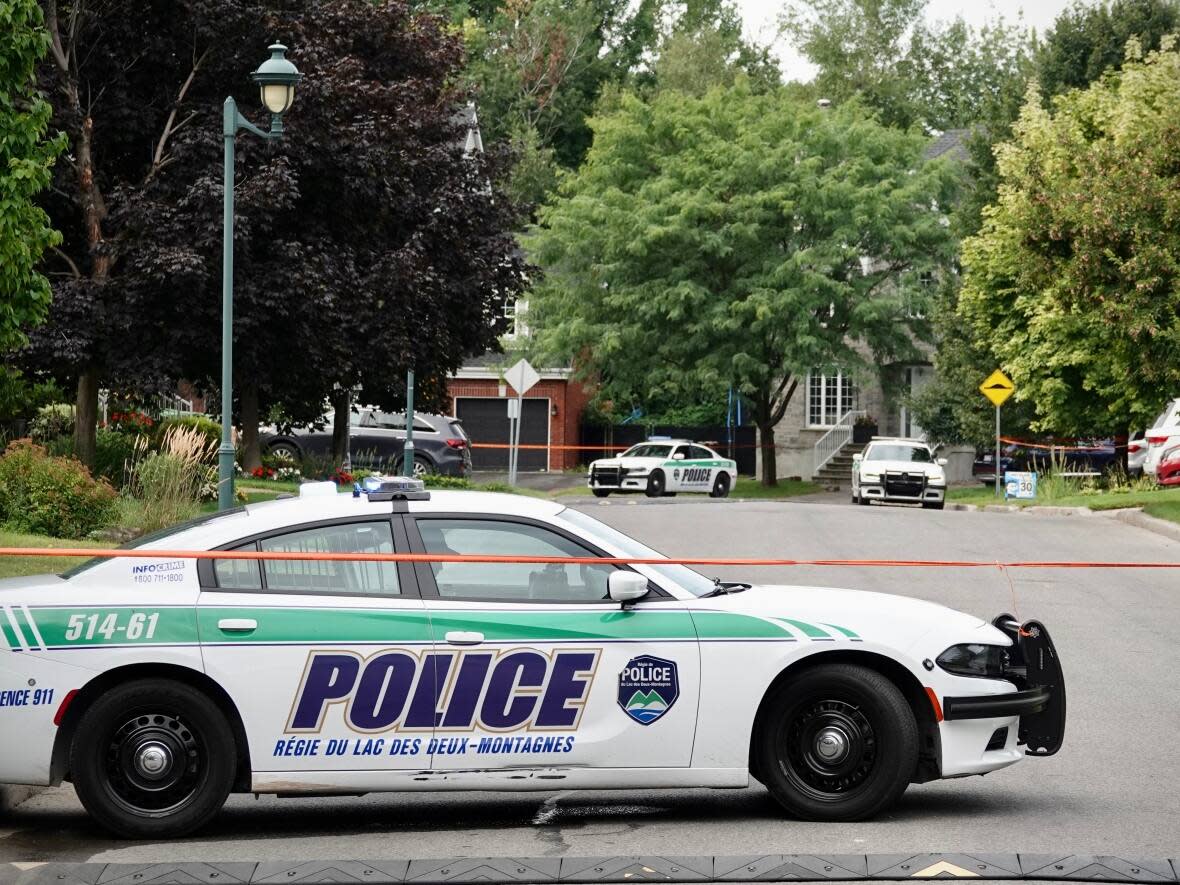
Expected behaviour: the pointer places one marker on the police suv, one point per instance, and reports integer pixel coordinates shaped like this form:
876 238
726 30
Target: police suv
663 466
271 650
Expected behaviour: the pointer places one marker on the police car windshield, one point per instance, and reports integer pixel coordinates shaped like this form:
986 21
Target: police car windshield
898 452
648 450
154 536
694 582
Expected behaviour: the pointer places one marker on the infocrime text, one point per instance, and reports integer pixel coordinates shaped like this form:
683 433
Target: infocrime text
399 690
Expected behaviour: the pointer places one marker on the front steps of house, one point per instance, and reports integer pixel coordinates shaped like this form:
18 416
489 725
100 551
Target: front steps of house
837 473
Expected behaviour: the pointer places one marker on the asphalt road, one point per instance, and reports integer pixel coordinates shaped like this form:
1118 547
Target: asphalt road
1113 789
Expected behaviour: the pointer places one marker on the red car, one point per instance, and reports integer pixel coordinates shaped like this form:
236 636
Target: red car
1168 472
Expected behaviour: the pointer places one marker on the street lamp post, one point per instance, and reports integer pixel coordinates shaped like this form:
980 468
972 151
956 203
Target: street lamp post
276 78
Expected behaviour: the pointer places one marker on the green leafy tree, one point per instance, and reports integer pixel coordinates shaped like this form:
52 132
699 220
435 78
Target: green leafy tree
1089 39
26 160
1074 279
724 240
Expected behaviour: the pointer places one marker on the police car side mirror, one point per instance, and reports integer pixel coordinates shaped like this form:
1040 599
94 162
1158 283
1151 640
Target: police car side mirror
625 586
857 458
679 456
941 462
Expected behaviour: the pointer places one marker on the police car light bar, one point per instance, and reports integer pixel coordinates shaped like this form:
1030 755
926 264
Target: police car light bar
391 488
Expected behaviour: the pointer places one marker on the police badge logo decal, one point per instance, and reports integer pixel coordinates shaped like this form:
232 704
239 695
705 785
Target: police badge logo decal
676 473
648 687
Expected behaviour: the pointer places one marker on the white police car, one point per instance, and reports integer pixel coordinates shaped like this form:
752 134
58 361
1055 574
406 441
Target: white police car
160 684
899 470
662 466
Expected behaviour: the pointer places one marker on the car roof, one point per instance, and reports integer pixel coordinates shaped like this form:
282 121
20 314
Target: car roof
281 513
900 439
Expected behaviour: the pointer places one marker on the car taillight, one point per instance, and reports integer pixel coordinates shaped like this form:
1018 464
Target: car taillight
456 443
1133 447
1157 439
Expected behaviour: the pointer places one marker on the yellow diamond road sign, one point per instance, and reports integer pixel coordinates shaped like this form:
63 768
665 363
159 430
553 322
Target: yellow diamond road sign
998 387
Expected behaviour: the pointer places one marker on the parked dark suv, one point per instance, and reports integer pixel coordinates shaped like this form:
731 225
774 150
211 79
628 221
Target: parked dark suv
377 440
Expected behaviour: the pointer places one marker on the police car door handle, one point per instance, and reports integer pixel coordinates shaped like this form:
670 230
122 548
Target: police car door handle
464 637
237 625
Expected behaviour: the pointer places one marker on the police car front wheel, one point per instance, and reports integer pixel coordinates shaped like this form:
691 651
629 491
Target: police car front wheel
153 759
837 742
655 484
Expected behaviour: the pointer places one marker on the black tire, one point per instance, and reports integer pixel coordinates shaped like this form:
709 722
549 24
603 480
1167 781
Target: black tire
601 493
862 500
655 484
423 467
933 505
284 449
855 498
720 486
107 761
837 706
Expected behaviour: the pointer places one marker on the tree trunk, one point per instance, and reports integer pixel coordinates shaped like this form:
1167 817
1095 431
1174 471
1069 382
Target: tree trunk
766 442
248 417
86 416
341 424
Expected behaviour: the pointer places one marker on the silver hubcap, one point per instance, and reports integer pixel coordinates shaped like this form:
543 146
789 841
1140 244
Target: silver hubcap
831 744
153 760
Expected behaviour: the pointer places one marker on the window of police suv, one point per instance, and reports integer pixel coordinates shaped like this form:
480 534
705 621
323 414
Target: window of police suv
895 452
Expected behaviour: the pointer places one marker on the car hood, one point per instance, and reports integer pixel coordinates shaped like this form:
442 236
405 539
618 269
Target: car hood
628 462
877 618
903 466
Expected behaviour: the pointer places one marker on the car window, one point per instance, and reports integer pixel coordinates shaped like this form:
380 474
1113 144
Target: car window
680 450
692 581
647 450
318 576
700 453
457 429
895 452
514 582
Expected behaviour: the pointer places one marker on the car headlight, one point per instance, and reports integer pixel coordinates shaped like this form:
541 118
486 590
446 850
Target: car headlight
869 476
975 659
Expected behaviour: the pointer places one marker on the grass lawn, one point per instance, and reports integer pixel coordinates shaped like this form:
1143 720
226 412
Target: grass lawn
749 487
1163 503
13 566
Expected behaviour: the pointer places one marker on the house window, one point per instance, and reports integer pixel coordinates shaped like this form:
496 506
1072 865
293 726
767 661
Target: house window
829 397
515 312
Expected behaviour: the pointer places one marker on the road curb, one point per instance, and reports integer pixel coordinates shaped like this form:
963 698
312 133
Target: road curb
771 867
1139 519
12 795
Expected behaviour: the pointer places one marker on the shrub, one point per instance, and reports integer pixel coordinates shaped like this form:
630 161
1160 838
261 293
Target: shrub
52 421
130 421
209 428
439 481
112 451
51 496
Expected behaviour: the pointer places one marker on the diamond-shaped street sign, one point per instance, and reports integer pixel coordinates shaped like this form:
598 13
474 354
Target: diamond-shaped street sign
998 387
522 377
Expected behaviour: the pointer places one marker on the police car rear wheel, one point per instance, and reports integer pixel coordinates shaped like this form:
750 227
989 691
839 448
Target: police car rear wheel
601 493
655 484
720 486
153 759
837 743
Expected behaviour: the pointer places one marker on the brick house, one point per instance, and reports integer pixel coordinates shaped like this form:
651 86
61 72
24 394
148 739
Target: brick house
551 413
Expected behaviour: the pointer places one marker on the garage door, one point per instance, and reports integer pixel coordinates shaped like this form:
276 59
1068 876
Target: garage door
486 421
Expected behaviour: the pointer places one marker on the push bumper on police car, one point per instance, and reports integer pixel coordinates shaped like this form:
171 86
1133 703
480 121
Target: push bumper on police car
1032 717
903 486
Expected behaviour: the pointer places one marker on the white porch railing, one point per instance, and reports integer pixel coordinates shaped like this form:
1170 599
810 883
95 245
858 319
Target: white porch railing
828 445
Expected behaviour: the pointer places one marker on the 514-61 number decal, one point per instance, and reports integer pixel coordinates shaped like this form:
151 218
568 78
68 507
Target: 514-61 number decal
140 625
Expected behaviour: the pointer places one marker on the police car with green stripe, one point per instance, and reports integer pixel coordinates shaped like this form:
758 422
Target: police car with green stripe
267 650
663 466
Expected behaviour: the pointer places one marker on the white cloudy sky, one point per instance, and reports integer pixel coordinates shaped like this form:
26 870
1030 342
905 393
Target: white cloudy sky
760 17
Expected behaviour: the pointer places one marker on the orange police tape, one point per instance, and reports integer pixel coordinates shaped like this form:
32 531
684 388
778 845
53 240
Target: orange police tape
140 553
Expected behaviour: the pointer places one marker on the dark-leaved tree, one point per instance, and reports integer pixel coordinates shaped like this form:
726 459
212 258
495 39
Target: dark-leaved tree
366 241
